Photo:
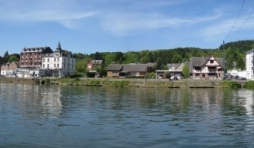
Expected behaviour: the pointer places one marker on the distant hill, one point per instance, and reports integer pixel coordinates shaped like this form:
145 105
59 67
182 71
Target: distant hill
234 52
244 45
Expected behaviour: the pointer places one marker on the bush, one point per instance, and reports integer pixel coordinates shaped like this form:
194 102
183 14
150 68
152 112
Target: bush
150 75
75 76
90 74
135 77
249 85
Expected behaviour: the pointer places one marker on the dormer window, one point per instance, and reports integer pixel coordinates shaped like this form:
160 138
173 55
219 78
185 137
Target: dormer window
211 61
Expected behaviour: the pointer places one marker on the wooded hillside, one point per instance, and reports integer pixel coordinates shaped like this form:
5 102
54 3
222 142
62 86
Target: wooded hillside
234 52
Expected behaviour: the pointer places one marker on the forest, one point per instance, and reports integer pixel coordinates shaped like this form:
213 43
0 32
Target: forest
233 52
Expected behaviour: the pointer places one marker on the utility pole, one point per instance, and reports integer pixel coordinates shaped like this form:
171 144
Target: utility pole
224 70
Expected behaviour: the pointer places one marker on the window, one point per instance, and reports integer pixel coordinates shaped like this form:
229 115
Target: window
54 59
48 66
211 61
48 59
43 65
57 65
54 65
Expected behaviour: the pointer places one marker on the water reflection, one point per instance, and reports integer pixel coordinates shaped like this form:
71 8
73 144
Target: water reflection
72 116
32 100
247 98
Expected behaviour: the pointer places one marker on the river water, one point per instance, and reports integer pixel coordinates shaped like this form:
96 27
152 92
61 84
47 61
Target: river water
72 116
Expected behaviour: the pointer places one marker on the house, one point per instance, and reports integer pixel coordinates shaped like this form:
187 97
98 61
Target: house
206 67
125 70
135 70
93 64
150 67
175 69
59 63
31 57
114 70
9 69
249 64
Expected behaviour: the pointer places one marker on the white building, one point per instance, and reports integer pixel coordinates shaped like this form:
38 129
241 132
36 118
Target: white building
59 63
250 64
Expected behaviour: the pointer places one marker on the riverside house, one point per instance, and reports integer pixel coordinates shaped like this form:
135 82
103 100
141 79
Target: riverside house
9 69
175 70
93 64
59 63
32 57
206 67
127 70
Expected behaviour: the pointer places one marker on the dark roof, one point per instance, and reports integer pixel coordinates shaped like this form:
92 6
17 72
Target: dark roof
115 67
58 48
200 61
220 61
250 51
135 68
62 51
128 67
45 49
197 61
175 65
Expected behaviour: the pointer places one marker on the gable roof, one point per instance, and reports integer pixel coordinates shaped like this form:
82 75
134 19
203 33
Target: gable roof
200 61
128 67
115 67
175 65
135 68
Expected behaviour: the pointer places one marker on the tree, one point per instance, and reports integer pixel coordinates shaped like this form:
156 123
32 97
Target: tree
6 57
12 59
186 71
167 74
97 56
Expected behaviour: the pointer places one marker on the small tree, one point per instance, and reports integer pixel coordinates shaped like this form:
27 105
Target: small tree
12 59
6 56
186 71
167 74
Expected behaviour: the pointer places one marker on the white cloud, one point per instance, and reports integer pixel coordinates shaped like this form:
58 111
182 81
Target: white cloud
61 11
224 27
122 23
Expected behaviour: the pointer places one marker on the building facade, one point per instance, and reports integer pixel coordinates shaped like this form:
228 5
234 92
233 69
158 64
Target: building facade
206 67
59 63
9 69
32 57
249 64
93 64
127 70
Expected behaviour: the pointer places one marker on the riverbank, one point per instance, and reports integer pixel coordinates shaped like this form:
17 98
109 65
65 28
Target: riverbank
148 83
118 82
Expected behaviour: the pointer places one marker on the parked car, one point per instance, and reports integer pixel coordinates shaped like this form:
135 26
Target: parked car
173 78
243 78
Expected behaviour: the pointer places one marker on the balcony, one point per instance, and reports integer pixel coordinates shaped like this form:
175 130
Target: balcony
212 71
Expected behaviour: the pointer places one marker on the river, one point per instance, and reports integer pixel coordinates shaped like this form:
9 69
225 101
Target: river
83 116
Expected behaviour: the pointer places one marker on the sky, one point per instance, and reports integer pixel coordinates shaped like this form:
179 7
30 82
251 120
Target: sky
89 26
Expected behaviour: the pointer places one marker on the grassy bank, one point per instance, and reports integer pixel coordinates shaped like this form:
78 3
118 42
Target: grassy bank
123 82
141 82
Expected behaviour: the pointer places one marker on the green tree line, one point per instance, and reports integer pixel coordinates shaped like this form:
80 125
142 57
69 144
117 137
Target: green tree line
233 52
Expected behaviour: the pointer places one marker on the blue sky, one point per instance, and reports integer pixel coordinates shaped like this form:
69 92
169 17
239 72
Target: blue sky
89 26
